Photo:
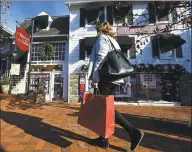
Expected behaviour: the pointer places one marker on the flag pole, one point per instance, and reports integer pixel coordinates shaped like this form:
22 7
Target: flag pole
30 52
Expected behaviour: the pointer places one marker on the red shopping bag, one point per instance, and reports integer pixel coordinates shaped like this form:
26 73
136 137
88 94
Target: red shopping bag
97 113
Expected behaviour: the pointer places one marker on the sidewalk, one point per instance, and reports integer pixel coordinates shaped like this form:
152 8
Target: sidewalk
52 127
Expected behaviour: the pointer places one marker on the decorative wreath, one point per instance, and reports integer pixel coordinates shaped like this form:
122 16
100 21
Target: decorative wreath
50 49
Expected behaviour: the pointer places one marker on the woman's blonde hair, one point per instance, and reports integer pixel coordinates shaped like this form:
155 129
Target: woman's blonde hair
105 28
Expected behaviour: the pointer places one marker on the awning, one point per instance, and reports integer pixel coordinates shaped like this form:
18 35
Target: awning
170 41
89 41
126 41
5 50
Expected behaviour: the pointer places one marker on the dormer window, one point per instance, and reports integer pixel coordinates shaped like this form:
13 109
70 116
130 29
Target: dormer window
42 21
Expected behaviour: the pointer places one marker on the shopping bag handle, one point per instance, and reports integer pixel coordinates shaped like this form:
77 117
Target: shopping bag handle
97 90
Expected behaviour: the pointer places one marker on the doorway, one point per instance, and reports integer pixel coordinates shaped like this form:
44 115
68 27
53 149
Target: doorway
58 83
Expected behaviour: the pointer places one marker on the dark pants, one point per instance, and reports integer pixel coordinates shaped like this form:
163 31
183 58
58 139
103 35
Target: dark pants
107 88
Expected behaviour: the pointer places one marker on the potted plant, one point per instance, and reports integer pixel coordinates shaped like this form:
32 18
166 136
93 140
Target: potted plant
5 84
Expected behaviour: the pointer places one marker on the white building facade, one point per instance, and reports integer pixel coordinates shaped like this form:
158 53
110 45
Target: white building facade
82 35
53 72
73 37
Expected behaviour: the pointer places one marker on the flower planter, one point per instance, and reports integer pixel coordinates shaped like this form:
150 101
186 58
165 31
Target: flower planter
5 88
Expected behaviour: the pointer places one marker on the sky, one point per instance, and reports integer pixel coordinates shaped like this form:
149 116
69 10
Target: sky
27 9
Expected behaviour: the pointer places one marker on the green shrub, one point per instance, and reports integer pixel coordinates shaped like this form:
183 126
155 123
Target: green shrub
4 81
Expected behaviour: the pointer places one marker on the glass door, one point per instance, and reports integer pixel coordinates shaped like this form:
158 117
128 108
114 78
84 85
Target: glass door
58 87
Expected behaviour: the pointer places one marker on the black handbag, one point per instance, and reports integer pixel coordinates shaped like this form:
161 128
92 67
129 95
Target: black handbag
115 66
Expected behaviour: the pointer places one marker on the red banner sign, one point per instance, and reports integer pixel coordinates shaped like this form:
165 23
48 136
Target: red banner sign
22 39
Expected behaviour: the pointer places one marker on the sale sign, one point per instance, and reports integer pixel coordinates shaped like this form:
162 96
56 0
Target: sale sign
22 39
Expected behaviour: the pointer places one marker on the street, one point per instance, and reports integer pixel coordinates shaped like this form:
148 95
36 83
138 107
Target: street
52 127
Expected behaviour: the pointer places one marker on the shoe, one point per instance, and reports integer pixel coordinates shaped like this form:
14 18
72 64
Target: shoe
136 137
100 142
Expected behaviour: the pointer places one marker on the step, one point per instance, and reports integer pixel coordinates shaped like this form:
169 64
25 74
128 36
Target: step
148 103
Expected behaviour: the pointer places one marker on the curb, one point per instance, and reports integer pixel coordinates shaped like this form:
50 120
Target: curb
149 104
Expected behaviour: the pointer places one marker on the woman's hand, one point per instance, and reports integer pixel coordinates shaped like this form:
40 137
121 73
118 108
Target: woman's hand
94 84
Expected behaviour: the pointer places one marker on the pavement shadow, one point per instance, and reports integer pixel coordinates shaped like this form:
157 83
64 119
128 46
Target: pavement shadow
2 97
35 127
17 102
166 136
158 142
156 124
1 149
64 105
159 125
165 133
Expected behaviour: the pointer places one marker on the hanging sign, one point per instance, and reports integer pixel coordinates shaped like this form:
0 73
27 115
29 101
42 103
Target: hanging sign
15 69
22 40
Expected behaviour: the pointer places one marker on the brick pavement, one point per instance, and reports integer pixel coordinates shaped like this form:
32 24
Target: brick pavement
52 127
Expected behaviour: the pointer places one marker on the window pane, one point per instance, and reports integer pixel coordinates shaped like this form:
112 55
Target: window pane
59 52
91 16
121 14
166 54
165 18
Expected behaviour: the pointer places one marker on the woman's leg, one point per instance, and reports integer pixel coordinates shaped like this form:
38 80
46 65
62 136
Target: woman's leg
135 133
104 89
110 89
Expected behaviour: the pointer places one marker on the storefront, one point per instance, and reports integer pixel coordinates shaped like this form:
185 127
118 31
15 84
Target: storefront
52 78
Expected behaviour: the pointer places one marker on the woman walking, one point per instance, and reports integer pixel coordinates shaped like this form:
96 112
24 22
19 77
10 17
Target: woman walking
100 50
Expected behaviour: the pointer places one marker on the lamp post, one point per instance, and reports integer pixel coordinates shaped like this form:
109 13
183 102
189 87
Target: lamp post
41 22
30 51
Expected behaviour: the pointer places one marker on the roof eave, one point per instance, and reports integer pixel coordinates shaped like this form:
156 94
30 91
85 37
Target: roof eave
84 1
8 30
38 36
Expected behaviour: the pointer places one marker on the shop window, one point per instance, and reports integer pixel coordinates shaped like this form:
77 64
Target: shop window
39 80
59 52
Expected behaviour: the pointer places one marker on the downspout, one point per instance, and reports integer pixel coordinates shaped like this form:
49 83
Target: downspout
69 7
68 46
190 40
